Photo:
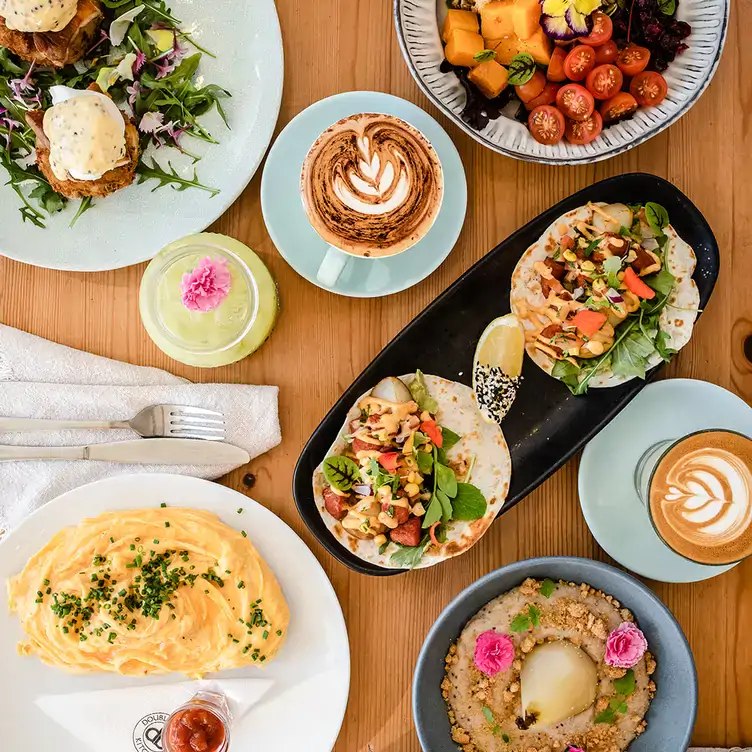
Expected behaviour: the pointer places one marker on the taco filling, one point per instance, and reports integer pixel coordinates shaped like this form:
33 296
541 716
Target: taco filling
391 481
604 282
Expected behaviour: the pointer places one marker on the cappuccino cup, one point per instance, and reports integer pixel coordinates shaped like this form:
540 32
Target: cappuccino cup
372 186
698 493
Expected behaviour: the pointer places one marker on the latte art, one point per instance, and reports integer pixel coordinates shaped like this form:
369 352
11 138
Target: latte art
372 185
701 497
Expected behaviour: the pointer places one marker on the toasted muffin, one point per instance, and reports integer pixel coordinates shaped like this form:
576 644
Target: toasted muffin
56 48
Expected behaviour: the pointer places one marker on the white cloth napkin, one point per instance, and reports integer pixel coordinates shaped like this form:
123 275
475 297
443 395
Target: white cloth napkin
41 379
120 719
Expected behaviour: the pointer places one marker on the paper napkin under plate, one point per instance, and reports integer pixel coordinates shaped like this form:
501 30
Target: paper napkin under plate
121 720
41 379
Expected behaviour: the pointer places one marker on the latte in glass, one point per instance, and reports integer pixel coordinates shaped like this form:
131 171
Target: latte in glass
700 497
372 185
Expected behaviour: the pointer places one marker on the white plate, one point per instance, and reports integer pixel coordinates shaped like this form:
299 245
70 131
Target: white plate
614 513
134 224
417 23
304 709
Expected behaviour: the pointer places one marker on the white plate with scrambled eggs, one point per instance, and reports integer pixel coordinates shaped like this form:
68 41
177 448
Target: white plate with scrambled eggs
137 581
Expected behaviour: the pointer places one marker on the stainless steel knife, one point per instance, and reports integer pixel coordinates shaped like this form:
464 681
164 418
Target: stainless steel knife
139 452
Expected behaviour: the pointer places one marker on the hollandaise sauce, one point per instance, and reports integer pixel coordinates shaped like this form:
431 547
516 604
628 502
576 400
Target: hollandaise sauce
87 137
38 15
208 300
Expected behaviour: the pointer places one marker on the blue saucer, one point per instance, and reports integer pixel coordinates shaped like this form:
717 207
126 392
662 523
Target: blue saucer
613 511
304 249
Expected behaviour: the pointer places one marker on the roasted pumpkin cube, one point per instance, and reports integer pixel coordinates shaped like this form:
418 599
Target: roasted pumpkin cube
496 19
526 16
462 48
490 78
460 19
539 46
505 48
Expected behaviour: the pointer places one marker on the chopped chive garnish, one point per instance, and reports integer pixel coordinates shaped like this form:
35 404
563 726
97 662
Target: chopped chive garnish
243 533
163 505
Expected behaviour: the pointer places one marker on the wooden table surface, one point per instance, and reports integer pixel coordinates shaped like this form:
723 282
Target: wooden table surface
333 46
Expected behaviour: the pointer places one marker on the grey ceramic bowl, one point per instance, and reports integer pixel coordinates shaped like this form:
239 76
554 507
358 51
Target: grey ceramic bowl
671 716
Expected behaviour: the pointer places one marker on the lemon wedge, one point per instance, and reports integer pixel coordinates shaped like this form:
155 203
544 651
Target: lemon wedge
497 366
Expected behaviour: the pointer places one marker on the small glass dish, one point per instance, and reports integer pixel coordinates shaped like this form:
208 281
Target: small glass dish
200 725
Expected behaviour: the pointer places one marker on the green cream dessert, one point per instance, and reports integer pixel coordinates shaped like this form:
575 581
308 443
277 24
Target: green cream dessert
208 300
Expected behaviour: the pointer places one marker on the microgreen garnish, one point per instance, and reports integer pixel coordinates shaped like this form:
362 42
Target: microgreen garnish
525 621
547 588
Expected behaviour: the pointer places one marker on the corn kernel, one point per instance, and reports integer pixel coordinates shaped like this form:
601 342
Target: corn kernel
419 510
588 266
411 489
570 255
414 478
380 540
599 285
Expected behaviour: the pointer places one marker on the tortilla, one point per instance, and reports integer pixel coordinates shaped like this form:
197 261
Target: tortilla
676 320
491 473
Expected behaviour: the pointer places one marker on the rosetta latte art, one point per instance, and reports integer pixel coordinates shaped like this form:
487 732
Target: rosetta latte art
372 185
708 498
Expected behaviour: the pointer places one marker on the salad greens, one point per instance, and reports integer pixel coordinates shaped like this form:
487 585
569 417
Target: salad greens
151 76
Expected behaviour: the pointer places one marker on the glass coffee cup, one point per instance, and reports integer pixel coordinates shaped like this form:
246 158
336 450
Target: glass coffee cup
697 490
372 187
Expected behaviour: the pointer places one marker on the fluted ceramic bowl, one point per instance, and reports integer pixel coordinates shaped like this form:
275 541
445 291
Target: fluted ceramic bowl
418 25
671 716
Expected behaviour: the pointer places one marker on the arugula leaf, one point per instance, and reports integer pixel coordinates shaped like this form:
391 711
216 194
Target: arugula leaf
433 513
421 395
450 438
153 171
568 372
469 503
627 684
341 472
446 506
547 588
656 216
446 479
86 204
425 462
630 358
409 556
661 345
663 282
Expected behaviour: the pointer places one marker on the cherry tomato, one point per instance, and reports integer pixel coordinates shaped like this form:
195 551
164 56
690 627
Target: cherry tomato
633 59
618 107
532 88
649 88
575 101
547 96
579 62
604 81
546 124
556 66
586 131
606 53
603 28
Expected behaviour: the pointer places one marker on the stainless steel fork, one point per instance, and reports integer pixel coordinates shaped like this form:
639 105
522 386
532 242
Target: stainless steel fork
158 421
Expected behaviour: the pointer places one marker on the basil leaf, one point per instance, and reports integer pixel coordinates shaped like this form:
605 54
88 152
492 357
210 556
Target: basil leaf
521 69
656 216
433 513
520 623
626 685
484 55
469 503
446 480
421 395
446 505
425 462
409 556
341 472
547 588
450 439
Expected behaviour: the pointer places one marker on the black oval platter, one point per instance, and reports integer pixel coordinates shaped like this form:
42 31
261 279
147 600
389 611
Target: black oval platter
547 425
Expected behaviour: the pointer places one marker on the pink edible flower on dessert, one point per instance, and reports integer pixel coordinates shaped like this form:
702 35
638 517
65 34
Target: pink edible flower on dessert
625 646
494 652
574 749
206 286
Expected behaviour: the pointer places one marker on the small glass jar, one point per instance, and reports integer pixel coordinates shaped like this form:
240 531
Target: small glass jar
206 715
236 327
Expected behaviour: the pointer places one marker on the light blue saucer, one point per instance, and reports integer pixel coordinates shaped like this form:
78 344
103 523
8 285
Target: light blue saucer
304 249
614 513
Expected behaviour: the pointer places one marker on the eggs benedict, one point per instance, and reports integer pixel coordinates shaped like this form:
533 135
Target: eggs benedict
85 145
49 32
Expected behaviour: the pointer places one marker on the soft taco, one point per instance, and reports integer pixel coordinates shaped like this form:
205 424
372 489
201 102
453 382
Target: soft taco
416 475
606 294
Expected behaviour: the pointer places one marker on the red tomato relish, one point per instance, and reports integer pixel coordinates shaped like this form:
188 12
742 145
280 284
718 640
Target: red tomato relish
195 730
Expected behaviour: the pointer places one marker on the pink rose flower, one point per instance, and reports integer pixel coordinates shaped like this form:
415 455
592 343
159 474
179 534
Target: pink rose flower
625 646
206 286
494 652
